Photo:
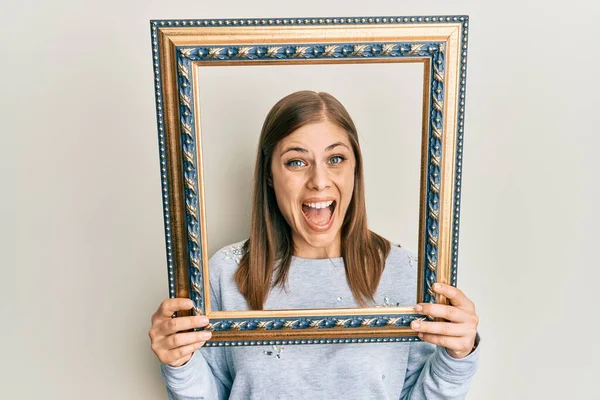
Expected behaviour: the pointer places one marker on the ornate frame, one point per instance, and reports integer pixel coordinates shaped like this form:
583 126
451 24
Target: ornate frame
440 42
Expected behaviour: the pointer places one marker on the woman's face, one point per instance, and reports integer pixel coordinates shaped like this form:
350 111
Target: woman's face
313 178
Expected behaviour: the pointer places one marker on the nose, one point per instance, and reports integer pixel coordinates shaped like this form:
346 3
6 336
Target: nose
319 178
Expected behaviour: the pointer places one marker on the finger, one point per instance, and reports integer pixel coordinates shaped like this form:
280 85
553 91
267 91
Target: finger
174 325
181 352
456 296
450 342
449 313
440 328
183 339
180 362
169 306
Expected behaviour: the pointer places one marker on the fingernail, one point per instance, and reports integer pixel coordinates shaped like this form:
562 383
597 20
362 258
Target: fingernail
416 325
420 335
437 286
418 308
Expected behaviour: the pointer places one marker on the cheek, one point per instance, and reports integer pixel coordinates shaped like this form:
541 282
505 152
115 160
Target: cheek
347 183
286 195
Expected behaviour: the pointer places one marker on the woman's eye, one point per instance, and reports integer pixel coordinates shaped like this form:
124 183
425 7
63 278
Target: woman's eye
336 160
295 163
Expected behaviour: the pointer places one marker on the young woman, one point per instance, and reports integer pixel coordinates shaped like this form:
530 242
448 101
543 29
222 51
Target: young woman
310 247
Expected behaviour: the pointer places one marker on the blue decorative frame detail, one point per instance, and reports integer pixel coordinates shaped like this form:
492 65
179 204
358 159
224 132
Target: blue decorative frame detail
186 55
232 343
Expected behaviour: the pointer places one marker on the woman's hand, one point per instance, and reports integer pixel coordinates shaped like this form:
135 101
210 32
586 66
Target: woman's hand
171 347
458 335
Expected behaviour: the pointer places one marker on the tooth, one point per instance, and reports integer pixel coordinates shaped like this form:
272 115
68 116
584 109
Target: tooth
319 205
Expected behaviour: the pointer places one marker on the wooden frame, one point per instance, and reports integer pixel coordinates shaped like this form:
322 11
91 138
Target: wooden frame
439 42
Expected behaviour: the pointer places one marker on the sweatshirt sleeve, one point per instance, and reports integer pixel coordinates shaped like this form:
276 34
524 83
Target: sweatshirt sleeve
193 381
204 376
432 374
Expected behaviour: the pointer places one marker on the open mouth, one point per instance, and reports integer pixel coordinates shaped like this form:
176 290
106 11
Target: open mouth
319 215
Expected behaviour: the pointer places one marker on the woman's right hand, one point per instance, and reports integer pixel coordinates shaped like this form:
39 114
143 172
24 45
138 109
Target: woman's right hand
171 346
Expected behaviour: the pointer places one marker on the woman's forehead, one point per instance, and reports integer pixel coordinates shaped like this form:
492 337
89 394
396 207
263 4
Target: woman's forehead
315 137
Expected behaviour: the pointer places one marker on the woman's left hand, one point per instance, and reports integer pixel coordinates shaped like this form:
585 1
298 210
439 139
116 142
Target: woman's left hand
458 335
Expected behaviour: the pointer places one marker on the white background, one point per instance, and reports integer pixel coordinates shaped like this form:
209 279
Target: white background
82 228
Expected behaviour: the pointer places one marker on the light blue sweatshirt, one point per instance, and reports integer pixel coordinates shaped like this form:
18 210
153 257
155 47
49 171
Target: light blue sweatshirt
415 370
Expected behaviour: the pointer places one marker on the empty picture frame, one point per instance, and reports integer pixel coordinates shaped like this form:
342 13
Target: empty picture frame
182 49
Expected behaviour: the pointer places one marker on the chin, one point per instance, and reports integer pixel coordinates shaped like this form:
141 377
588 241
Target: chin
322 240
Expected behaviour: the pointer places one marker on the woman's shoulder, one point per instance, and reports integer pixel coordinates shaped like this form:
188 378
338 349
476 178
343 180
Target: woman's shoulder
400 255
225 261
232 253
400 275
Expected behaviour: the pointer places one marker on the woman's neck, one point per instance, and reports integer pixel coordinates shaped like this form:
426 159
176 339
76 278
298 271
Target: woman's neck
305 250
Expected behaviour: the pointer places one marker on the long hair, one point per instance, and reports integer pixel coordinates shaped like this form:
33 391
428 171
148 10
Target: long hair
270 247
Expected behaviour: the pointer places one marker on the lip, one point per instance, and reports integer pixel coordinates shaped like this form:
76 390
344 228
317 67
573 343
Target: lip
319 228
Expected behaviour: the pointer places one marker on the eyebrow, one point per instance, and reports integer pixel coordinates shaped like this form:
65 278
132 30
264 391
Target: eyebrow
303 150
333 146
